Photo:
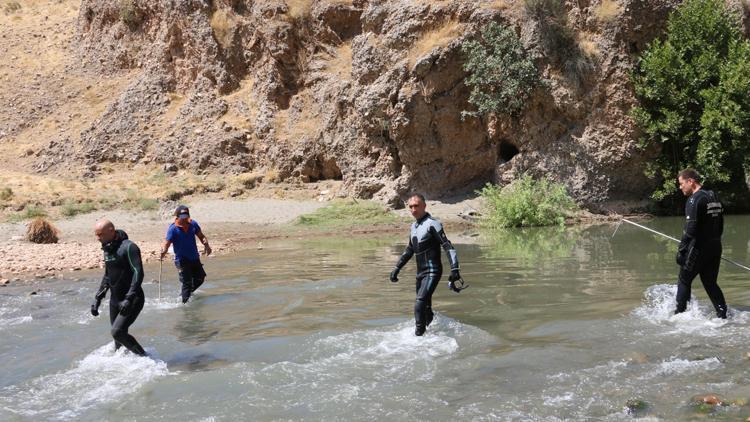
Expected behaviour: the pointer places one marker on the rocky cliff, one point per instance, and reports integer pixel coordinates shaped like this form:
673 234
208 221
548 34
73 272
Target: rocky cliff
366 91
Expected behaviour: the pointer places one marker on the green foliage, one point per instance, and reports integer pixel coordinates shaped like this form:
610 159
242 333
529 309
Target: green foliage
347 214
130 14
134 201
693 89
525 202
557 40
71 208
29 212
6 194
502 76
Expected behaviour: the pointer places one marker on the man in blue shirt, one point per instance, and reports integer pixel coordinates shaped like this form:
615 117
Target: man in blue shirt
181 234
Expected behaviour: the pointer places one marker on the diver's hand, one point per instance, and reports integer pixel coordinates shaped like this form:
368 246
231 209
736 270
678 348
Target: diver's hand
454 276
95 307
394 275
452 286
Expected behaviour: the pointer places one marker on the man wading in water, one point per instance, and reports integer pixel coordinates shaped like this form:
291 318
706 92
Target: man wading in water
182 235
426 237
700 248
123 275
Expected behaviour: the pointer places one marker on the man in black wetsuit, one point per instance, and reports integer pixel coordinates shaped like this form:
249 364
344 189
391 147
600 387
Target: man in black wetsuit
699 252
427 235
123 275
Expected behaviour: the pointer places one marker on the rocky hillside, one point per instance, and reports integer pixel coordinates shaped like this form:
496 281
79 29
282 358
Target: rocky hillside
369 92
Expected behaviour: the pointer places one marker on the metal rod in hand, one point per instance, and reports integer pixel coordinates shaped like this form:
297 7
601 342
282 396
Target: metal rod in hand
744 267
161 261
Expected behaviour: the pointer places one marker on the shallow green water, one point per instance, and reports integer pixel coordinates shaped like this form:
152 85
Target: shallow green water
556 325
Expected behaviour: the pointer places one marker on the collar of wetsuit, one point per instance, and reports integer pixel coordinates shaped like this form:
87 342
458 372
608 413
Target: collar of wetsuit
424 217
115 243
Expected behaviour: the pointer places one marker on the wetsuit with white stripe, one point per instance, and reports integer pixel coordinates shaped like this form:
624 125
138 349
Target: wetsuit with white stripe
123 276
427 237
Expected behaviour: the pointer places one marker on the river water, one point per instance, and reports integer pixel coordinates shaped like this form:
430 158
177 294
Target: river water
557 325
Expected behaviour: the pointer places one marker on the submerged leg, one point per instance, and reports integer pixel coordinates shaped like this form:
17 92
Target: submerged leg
120 330
423 314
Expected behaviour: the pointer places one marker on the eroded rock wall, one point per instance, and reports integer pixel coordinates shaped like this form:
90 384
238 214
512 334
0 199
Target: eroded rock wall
370 92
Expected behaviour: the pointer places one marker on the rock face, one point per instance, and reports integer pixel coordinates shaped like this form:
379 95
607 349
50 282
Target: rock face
370 92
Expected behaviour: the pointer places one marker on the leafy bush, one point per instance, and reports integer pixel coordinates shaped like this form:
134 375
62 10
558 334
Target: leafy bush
70 208
693 90
502 76
29 212
345 214
525 202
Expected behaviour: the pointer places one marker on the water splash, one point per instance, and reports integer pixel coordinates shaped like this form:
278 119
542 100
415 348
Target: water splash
103 376
699 317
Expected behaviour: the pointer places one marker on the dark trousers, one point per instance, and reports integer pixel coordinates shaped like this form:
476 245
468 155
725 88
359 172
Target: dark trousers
191 277
426 285
121 324
707 266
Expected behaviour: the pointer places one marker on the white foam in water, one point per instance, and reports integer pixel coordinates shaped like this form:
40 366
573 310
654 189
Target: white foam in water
374 365
699 318
102 376
165 302
683 366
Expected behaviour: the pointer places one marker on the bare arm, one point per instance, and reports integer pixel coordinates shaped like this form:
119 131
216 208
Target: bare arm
204 240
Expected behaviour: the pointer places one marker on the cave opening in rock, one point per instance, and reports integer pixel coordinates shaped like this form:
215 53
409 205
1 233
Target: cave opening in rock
506 151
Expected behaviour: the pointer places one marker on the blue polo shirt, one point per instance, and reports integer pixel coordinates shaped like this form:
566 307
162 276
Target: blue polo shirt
183 242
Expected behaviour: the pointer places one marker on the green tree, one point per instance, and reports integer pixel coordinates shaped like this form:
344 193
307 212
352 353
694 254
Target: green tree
502 76
694 93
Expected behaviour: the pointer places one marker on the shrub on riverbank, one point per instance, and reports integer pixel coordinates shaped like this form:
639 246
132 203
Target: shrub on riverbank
347 213
41 231
526 202
71 208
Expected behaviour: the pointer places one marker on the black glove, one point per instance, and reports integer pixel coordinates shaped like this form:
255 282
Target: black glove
125 306
394 275
95 307
454 275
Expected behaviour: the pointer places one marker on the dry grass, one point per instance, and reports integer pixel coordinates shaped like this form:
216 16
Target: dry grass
432 39
300 120
12 7
41 231
340 64
223 22
242 106
495 4
588 44
607 10
298 9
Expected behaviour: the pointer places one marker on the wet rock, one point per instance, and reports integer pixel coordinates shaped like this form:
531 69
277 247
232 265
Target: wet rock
636 406
638 357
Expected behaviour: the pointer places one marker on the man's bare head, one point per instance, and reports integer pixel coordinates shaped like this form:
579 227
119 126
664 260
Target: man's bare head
104 231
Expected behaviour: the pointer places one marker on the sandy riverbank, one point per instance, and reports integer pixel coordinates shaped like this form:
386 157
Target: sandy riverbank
230 225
